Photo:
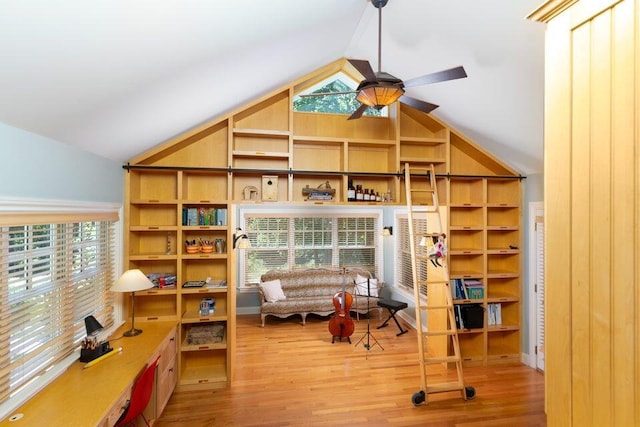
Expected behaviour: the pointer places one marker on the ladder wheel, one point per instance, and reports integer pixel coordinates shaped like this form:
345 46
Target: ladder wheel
417 398
470 392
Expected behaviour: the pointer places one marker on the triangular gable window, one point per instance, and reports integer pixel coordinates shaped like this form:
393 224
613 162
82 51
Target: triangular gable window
336 104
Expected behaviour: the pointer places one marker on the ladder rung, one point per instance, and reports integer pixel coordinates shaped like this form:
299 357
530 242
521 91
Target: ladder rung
426 234
429 209
445 387
432 282
439 333
434 307
445 359
422 190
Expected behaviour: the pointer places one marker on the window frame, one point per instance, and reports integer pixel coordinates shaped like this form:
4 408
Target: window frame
345 79
62 216
343 212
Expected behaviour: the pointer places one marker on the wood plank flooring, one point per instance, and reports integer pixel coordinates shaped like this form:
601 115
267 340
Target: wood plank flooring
291 375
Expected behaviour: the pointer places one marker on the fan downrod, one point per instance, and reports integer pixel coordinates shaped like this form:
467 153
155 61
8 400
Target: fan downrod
378 4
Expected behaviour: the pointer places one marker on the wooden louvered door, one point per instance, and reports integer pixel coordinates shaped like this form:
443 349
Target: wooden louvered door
539 285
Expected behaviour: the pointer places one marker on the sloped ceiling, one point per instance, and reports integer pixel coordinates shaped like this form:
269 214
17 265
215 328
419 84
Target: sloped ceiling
117 77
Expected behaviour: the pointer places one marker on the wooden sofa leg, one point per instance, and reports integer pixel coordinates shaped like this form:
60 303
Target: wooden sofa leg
304 318
263 317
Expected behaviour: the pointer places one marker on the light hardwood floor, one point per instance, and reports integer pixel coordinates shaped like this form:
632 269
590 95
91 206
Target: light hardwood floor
291 375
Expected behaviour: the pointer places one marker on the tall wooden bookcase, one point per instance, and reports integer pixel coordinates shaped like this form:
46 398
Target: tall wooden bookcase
212 166
485 242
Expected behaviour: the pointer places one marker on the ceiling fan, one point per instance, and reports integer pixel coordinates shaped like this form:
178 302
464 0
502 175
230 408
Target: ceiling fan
380 89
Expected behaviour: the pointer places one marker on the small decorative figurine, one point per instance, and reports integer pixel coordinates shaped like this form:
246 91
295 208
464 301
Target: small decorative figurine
438 250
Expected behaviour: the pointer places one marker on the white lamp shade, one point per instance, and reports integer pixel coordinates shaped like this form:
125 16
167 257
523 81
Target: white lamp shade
244 243
423 242
132 281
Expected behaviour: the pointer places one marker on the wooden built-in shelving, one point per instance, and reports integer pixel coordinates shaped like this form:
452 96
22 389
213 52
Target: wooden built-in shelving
212 166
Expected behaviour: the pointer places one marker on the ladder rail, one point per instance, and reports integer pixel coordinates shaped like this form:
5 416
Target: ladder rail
414 275
450 324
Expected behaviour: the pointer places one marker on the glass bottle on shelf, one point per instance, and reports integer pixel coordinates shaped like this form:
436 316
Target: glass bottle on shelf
359 194
366 197
378 198
351 192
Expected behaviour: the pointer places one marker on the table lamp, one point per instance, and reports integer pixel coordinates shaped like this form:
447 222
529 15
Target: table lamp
132 281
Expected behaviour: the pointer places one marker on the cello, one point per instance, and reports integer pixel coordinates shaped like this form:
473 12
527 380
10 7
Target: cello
341 324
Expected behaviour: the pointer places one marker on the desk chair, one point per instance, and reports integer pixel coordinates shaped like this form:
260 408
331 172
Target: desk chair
140 396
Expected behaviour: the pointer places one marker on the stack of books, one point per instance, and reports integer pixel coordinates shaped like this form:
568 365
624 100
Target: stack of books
474 289
162 280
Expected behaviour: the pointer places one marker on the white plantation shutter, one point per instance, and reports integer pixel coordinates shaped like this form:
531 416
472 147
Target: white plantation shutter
540 337
52 275
269 238
357 242
289 241
404 267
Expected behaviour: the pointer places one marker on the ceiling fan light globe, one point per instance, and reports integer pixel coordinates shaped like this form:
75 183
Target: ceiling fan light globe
379 96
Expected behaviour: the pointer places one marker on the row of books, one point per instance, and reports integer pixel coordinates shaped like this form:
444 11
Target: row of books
494 314
467 289
204 216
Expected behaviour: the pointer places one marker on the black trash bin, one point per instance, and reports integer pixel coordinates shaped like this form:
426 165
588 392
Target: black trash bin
472 316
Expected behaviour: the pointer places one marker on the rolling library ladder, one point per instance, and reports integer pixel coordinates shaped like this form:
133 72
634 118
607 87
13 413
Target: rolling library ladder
431 285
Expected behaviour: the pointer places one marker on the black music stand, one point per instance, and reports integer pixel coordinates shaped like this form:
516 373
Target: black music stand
368 335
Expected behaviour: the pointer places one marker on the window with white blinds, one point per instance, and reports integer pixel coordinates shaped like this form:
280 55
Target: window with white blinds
404 267
51 277
289 241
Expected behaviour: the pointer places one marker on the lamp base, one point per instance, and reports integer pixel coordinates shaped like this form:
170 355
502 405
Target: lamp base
132 332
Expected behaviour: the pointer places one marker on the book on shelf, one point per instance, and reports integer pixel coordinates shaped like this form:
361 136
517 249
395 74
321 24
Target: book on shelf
458 316
221 216
494 314
474 288
458 289
217 283
190 216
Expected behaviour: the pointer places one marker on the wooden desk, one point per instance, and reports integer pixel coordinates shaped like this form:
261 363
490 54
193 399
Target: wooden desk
93 396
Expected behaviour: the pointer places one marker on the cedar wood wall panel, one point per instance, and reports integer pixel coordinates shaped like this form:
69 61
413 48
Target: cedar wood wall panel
592 202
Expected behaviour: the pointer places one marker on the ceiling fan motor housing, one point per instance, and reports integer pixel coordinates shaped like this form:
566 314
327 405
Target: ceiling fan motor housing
379 3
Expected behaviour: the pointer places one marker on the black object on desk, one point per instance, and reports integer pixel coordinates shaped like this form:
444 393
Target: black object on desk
91 353
393 306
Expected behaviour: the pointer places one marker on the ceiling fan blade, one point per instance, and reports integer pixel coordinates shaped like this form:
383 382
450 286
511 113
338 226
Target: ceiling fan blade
423 106
364 68
440 76
306 95
358 113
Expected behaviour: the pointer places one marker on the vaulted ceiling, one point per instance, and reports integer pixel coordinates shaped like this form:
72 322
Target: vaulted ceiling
117 77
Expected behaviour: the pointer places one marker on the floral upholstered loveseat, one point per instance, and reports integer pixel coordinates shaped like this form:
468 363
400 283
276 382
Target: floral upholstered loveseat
287 292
